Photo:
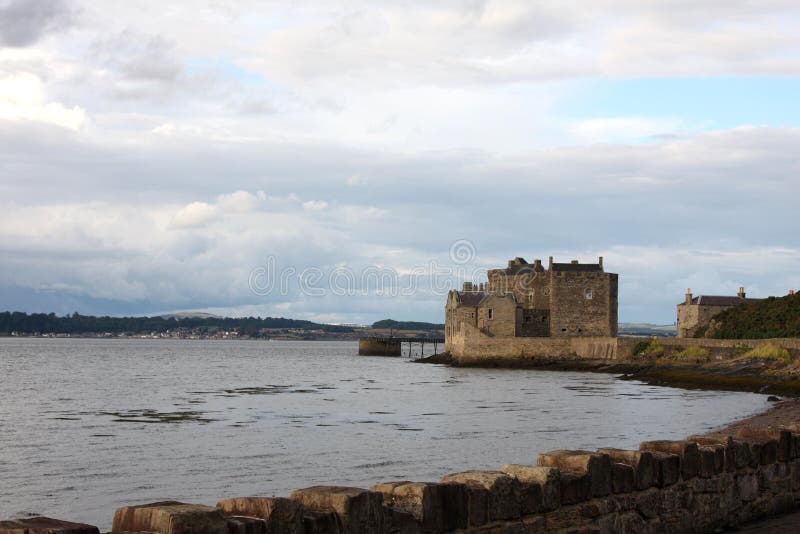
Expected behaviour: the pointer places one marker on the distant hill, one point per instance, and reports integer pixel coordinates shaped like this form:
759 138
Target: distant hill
647 329
190 315
771 317
50 323
407 325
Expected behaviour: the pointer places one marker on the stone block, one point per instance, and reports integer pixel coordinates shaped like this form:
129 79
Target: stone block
321 522
642 462
743 455
399 521
623 478
477 504
712 460
596 466
719 440
170 517
687 451
437 507
575 487
747 486
358 510
504 491
668 468
547 478
45 525
648 503
279 514
246 525
784 447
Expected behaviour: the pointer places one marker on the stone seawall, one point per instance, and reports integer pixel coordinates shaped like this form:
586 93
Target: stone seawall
471 346
700 484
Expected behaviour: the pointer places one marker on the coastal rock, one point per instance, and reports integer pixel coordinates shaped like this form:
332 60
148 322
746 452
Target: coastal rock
358 510
279 514
644 465
687 451
320 522
548 478
596 466
246 525
438 507
503 492
45 525
669 468
170 517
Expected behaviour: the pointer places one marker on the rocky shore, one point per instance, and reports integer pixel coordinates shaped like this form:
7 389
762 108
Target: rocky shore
736 374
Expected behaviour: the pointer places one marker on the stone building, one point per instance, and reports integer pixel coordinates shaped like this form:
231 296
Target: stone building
698 311
527 300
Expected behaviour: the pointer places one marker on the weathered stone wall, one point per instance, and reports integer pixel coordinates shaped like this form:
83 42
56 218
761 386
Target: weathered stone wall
701 484
471 345
692 316
572 313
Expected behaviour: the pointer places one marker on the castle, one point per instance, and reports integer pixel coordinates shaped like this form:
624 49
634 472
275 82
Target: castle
527 300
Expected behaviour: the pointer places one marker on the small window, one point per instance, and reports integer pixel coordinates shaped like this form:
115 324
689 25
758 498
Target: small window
490 313
587 294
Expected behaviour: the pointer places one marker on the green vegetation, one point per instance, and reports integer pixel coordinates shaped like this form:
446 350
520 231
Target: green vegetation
648 349
770 318
50 323
693 352
769 351
407 325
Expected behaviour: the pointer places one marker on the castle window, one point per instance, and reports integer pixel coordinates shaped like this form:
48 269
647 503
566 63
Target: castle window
587 294
490 313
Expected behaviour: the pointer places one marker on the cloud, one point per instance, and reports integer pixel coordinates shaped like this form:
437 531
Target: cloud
24 22
194 215
315 205
355 180
22 97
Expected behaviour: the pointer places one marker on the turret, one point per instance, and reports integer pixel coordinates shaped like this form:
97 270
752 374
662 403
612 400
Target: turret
741 293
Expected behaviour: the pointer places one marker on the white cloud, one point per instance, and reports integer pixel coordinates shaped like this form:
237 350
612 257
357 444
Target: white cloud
22 97
194 215
355 180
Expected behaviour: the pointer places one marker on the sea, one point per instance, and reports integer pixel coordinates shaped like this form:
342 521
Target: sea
90 425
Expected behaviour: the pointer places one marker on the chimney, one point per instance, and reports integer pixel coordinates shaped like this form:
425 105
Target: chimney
467 286
689 296
741 293
537 265
550 264
600 261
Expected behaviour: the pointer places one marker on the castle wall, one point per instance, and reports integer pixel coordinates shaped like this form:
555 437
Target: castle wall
572 313
692 316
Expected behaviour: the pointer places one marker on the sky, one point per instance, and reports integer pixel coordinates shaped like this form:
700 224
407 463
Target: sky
347 161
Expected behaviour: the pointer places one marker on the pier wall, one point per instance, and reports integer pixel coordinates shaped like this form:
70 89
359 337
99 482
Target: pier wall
700 484
379 347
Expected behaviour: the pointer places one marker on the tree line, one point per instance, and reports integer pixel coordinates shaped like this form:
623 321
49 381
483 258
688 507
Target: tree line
50 323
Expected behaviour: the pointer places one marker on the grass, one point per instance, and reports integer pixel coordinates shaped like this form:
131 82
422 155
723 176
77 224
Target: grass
769 351
693 352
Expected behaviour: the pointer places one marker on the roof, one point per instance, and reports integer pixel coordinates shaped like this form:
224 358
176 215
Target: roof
471 298
719 300
578 267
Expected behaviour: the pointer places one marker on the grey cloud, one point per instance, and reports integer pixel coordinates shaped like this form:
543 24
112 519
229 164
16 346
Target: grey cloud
24 22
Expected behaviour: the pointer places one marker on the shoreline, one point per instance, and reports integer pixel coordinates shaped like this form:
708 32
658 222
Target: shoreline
755 376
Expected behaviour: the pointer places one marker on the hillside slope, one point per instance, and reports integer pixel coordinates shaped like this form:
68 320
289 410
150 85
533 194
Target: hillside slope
772 317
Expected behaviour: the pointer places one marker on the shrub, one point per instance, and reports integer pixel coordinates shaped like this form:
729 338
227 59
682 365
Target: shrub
769 351
693 352
648 348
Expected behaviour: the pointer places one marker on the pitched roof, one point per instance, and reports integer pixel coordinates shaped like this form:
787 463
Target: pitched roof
719 300
471 298
577 267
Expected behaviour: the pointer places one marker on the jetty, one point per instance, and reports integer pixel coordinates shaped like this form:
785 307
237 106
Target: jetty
393 346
